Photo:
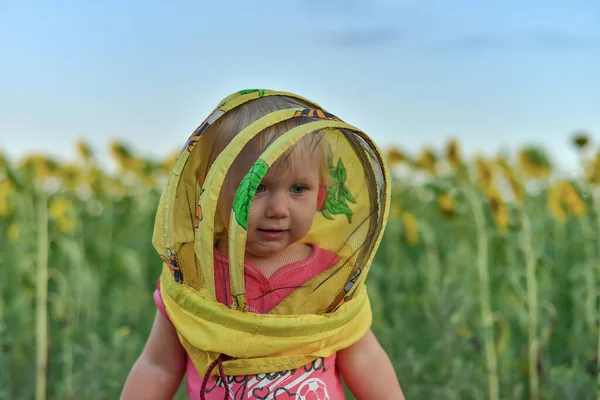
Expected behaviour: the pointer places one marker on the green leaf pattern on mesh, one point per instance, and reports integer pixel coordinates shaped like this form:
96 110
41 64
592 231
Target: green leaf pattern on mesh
246 190
261 92
338 194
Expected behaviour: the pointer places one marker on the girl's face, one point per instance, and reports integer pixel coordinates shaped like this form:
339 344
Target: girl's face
284 204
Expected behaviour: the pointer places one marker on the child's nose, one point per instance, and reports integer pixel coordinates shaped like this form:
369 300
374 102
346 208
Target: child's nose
277 206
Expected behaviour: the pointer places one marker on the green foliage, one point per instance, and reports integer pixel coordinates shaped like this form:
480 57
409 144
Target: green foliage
425 296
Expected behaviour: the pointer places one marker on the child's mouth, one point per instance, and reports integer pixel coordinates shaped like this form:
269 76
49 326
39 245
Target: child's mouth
272 233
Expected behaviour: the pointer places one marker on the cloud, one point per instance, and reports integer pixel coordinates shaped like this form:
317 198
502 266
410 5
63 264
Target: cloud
564 40
364 24
477 41
351 23
536 40
338 8
364 37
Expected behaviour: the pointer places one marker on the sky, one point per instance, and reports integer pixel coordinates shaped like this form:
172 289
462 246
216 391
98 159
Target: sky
409 73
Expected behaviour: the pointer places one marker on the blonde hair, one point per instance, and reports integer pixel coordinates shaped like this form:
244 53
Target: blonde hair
222 131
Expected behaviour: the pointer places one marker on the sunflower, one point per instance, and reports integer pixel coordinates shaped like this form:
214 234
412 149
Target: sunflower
565 200
118 150
125 158
396 156
484 172
84 150
427 161
123 331
59 208
6 188
47 167
593 170
463 332
581 139
534 163
70 174
499 209
573 201
96 179
516 185
446 205
396 210
59 211
410 228
38 166
13 232
453 154
555 203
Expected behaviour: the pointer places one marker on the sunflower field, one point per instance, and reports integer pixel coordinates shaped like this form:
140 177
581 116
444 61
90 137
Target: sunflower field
485 285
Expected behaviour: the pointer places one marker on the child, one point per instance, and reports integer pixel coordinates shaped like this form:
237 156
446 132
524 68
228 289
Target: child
289 208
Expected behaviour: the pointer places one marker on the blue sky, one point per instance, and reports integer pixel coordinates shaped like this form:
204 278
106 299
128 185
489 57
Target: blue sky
409 73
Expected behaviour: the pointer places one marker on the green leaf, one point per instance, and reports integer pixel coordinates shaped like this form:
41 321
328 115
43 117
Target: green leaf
246 190
347 195
340 208
261 92
331 195
341 171
326 214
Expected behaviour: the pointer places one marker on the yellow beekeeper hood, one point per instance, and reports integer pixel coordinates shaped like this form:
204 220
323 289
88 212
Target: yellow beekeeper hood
329 312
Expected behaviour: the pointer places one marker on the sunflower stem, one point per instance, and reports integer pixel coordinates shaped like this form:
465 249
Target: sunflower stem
596 206
532 303
485 298
42 300
590 275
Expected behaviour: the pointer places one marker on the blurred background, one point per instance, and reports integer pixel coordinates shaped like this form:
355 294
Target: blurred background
486 283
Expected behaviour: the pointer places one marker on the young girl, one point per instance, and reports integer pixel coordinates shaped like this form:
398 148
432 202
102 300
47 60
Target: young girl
268 195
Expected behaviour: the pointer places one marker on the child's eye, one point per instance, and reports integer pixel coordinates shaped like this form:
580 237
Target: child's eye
298 189
260 189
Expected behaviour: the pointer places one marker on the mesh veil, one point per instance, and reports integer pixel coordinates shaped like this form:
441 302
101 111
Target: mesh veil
223 210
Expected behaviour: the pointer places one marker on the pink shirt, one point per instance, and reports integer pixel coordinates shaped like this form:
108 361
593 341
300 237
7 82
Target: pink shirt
318 380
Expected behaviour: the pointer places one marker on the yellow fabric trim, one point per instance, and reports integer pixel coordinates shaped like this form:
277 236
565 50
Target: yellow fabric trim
259 342
386 209
238 99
